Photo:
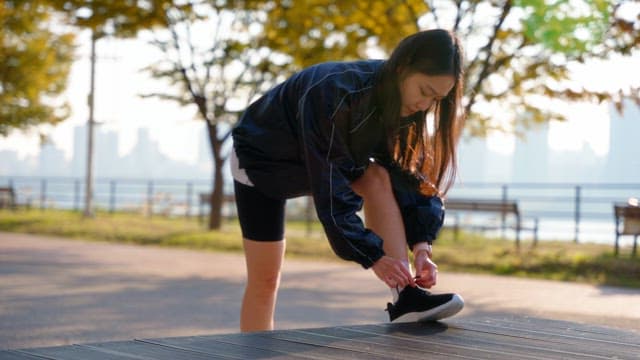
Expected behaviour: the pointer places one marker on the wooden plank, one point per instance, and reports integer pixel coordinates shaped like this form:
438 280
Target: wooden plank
78 352
482 205
560 327
555 339
365 345
212 346
264 340
413 337
552 329
17 355
483 344
495 337
151 351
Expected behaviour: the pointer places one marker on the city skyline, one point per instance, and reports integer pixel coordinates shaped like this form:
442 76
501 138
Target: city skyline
120 82
532 159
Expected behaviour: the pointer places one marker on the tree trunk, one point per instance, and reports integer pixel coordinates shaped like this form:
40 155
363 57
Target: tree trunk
217 194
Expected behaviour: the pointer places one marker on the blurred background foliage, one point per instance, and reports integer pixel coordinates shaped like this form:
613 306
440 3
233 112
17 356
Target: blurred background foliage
217 53
518 51
37 50
34 66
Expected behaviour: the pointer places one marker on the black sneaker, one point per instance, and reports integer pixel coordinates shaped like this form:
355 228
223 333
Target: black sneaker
417 304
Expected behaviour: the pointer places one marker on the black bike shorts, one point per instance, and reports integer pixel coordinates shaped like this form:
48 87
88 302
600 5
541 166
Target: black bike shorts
261 217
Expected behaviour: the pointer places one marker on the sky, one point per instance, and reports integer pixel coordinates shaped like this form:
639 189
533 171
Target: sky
119 82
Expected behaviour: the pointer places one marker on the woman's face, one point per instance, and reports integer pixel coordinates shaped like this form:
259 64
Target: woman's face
419 91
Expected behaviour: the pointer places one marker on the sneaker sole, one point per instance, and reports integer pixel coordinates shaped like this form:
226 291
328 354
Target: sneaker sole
445 310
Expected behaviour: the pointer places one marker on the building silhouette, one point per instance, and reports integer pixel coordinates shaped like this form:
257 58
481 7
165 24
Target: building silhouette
531 155
51 161
79 157
473 156
623 162
532 160
106 153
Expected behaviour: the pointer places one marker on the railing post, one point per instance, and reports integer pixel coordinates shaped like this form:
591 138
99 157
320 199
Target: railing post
150 198
76 195
112 197
577 214
15 192
189 195
308 212
200 209
43 193
503 215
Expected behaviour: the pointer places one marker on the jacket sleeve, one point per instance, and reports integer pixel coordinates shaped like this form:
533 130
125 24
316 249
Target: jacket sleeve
330 170
422 215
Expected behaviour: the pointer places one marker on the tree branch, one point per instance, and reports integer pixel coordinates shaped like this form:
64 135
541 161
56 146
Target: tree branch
487 50
471 12
192 55
165 96
435 14
458 15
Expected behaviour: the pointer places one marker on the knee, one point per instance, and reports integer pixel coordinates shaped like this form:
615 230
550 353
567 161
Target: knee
375 180
263 285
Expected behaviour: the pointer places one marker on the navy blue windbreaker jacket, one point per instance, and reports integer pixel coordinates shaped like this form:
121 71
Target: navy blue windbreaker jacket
317 132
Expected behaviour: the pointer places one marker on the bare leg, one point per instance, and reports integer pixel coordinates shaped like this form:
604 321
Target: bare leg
382 214
264 261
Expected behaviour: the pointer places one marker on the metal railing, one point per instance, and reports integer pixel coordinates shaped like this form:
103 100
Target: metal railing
570 211
566 211
168 197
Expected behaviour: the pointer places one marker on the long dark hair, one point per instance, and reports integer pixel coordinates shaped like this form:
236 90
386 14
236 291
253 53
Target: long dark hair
428 155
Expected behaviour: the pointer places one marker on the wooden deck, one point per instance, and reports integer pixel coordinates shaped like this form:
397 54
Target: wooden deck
499 337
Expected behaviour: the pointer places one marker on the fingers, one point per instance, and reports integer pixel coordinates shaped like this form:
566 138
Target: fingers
405 275
428 280
427 272
393 272
397 275
399 280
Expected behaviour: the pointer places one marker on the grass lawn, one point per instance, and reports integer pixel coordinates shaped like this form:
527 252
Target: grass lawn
558 260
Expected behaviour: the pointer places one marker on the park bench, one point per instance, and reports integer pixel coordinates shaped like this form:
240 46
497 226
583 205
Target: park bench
488 206
7 198
204 201
627 223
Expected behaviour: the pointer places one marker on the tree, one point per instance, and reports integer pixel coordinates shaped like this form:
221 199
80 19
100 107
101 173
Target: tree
35 60
120 18
34 65
214 58
518 51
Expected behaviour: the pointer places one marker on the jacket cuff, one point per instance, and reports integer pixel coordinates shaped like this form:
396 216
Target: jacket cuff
423 219
423 215
371 259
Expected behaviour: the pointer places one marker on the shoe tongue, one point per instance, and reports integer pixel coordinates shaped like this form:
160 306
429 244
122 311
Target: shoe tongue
417 289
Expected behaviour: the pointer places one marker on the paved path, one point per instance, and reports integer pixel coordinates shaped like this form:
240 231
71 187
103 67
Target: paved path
56 292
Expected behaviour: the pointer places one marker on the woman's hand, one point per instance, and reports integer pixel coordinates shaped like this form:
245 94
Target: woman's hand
393 272
426 269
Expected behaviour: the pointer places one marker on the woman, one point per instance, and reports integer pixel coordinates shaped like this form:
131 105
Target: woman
353 134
